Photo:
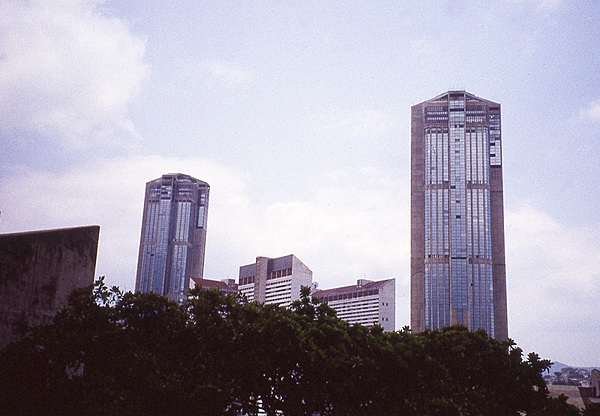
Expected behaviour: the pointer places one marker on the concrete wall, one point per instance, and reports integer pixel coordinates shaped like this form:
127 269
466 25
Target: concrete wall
38 271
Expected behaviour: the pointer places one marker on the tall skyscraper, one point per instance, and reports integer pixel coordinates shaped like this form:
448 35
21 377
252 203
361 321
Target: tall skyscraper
173 235
458 273
274 281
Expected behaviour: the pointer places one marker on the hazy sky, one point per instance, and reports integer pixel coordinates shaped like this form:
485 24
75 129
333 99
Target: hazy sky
298 116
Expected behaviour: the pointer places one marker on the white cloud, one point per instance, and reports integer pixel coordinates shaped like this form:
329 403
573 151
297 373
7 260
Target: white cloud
350 224
591 112
67 73
110 193
553 285
226 74
543 5
342 229
354 125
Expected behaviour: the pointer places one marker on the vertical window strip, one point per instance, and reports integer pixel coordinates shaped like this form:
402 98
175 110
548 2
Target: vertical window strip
428 296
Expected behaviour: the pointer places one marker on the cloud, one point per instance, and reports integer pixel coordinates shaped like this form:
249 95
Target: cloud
344 228
354 125
226 74
553 284
350 223
67 73
110 193
591 112
542 5
349 226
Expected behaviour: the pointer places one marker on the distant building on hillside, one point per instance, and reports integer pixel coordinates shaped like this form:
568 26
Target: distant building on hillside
591 392
458 270
274 281
366 303
173 235
38 272
225 285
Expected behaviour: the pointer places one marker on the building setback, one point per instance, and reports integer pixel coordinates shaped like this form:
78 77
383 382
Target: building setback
274 281
458 273
367 303
173 235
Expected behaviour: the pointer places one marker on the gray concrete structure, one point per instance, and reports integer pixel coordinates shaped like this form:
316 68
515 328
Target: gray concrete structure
458 272
173 236
38 272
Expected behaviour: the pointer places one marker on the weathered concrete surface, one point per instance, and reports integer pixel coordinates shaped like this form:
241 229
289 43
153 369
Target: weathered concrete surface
38 271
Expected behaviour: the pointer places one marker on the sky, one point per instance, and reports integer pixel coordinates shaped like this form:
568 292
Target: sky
298 116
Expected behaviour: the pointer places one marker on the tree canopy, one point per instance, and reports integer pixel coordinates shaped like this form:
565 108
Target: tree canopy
114 353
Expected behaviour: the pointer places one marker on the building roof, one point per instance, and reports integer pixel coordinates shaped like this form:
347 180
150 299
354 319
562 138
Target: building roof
362 285
572 393
468 95
221 285
180 177
279 263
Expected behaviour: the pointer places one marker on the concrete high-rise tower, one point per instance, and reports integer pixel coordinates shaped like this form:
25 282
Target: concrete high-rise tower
458 273
173 235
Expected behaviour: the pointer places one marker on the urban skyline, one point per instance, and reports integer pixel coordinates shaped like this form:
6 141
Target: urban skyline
304 141
458 269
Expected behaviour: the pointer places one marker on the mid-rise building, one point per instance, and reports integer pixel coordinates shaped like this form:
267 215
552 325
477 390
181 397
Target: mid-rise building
367 303
458 272
274 281
173 236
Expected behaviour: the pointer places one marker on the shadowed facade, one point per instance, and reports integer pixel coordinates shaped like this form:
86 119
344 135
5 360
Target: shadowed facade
38 272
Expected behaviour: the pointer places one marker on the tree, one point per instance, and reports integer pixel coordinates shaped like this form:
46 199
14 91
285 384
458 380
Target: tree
558 406
110 352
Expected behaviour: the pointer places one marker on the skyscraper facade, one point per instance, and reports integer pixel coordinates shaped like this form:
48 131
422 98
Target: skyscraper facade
458 273
173 236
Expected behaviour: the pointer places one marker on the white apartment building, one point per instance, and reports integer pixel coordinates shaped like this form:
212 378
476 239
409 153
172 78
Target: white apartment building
366 303
274 281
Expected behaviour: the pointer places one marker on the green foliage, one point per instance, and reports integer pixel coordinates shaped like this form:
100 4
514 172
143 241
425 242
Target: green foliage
122 353
557 406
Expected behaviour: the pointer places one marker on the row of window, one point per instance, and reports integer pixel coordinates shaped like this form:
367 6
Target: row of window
279 273
246 280
351 295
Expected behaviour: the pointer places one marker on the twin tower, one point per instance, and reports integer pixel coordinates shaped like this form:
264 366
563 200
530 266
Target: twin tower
458 273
